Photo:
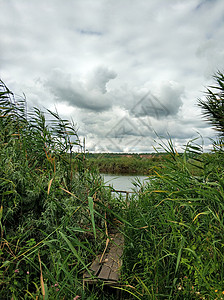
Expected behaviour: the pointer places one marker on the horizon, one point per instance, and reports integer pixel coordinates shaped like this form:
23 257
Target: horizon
128 73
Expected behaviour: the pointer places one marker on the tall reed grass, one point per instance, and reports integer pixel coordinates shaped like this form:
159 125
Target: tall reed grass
53 209
174 246
55 214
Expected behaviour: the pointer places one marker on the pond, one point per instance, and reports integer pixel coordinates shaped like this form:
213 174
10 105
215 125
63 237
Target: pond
122 182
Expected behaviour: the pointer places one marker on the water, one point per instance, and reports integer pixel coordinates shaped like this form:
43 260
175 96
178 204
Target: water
122 182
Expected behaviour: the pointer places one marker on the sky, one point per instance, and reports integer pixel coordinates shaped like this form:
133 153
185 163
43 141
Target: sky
128 73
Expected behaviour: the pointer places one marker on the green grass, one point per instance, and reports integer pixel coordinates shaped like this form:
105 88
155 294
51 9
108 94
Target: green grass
52 224
174 246
55 213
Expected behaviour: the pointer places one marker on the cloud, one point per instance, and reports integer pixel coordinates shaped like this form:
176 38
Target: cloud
144 62
89 32
159 102
99 78
74 92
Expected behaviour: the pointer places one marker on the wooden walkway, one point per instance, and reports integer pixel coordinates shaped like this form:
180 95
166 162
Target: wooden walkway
123 192
106 267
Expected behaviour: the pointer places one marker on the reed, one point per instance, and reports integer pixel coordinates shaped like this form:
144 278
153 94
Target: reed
175 230
55 214
174 244
51 226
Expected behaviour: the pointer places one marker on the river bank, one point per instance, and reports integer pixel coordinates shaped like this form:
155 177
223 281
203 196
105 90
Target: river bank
126 164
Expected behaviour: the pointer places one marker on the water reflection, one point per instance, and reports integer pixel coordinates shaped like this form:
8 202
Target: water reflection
122 182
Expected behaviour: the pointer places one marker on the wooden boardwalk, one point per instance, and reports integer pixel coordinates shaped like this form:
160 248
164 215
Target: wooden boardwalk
106 267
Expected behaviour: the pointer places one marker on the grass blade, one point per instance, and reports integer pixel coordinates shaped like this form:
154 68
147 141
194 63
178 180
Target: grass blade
91 209
74 251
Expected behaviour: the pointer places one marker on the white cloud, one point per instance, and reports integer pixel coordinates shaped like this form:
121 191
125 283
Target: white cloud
96 60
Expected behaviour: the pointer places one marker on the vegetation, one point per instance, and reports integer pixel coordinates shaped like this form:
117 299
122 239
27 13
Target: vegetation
55 213
174 243
52 217
139 164
213 105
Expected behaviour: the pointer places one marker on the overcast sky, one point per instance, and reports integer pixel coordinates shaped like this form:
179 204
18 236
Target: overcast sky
126 71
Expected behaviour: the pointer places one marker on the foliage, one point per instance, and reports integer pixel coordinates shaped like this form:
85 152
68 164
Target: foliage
55 212
52 210
125 163
174 243
174 246
213 105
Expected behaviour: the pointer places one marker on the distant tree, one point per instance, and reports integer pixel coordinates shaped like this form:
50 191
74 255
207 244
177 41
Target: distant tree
213 105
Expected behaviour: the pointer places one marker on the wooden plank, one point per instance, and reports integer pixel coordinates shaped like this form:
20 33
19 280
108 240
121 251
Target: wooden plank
114 275
106 268
117 239
94 268
115 268
116 253
96 265
109 268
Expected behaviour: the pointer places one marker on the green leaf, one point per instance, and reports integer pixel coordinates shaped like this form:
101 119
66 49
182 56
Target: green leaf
91 209
74 251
